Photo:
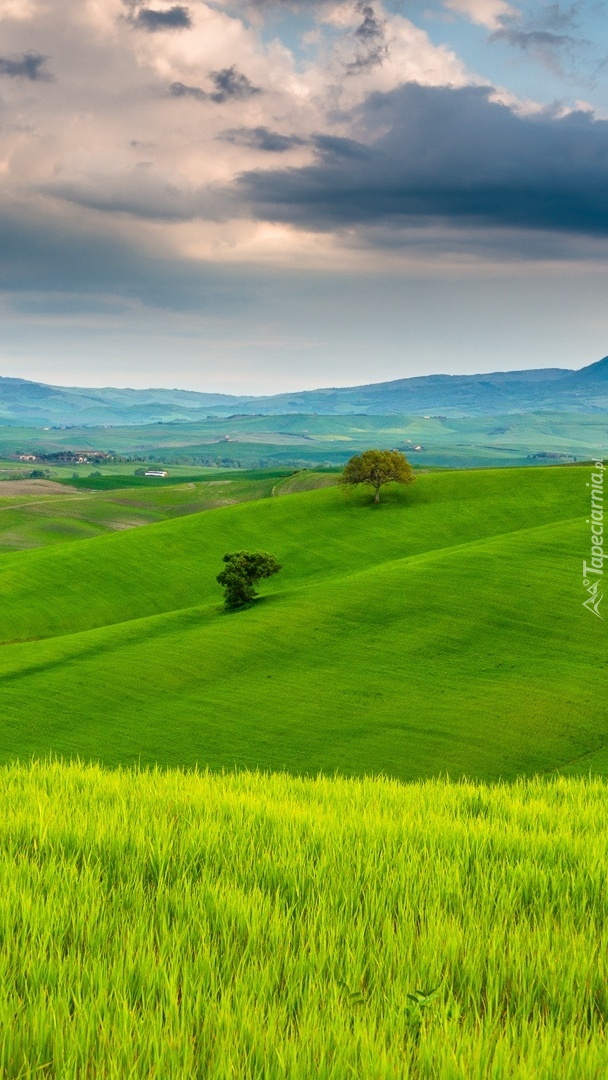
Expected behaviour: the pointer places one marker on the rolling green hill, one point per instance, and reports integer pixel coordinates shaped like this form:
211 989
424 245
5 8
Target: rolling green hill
78 513
441 632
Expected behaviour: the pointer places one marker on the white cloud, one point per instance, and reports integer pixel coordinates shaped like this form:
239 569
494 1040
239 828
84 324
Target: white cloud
107 141
488 13
113 190
17 9
108 134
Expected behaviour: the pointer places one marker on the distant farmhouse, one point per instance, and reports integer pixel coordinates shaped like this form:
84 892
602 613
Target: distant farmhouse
156 472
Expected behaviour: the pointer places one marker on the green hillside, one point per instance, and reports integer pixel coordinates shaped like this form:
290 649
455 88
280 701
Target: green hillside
37 520
190 927
441 632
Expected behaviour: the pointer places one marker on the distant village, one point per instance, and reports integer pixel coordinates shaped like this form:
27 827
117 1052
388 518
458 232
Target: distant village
68 457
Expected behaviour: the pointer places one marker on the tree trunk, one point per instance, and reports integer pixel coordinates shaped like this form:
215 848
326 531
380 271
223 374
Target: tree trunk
377 495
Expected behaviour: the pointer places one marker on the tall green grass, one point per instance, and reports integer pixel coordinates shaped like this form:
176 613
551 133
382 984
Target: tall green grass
176 925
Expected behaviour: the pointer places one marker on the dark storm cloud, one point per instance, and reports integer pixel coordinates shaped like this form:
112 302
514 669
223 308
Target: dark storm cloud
556 17
371 28
541 41
333 146
369 35
551 35
179 89
175 18
262 138
229 83
28 66
447 155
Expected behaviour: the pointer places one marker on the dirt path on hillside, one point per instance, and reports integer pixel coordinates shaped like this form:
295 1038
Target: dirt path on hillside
10 488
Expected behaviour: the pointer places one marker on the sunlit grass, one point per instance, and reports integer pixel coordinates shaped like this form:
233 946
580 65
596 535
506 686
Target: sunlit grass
178 925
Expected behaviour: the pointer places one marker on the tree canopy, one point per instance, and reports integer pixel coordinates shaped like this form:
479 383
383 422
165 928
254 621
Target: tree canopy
376 468
241 574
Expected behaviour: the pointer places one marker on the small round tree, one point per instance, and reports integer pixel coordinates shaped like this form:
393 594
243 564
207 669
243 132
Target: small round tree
241 574
376 468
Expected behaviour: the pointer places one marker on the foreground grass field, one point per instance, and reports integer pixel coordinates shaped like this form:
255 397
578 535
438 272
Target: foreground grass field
178 926
442 632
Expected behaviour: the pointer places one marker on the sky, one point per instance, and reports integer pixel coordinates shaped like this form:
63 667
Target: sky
255 196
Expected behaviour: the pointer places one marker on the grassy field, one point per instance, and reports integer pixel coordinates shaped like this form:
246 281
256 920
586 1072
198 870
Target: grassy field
115 478
88 507
442 632
242 927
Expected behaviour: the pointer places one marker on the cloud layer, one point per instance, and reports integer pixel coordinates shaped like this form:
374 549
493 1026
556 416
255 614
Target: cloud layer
29 65
165 155
450 154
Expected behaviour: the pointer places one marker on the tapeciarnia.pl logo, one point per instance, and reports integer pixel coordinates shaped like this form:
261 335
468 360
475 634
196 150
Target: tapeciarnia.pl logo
593 571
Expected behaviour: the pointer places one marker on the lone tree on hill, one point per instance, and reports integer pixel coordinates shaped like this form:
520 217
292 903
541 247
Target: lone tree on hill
378 467
242 572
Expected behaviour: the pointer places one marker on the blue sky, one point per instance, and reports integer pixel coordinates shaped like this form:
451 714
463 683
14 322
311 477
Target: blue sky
545 51
255 195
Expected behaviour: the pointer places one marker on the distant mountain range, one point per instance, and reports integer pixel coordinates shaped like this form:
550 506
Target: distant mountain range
33 404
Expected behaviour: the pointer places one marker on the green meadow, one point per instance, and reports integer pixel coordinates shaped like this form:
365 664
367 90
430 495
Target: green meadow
98 505
441 633
238 927
210 864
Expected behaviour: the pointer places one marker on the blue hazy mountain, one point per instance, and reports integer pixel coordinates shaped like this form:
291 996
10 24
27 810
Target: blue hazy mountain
557 389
